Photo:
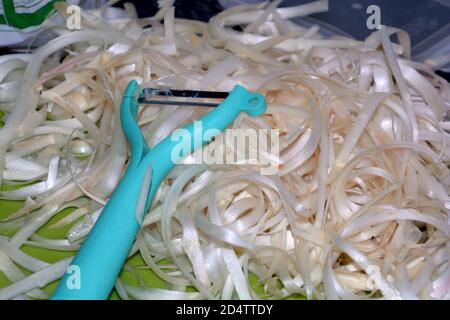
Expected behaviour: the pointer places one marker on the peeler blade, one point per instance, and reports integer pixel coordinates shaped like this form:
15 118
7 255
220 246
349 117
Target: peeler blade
150 96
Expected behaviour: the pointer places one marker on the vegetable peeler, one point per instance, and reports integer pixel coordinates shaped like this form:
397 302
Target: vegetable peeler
95 268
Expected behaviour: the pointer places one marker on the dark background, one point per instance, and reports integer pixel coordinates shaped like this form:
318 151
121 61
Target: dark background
189 9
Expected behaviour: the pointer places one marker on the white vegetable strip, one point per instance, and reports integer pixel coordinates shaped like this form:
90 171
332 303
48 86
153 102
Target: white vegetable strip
20 257
36 280
360 123
236 274
387 289
27 97
161 294
396 71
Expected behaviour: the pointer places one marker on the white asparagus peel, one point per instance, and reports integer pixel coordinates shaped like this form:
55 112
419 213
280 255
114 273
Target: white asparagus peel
37 280
358 209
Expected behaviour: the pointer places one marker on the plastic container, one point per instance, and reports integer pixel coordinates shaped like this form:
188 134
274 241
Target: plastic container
426 21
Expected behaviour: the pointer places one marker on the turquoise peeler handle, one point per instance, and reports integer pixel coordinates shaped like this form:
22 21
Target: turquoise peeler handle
95 268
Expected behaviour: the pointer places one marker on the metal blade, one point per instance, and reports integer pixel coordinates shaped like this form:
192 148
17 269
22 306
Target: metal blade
178 103
148 93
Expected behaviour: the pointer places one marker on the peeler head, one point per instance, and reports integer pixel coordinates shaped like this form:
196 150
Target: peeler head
227 104
177 97
251 102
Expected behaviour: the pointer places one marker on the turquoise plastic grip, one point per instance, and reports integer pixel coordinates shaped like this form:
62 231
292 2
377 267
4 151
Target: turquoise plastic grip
95 268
